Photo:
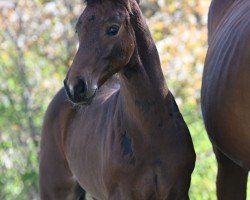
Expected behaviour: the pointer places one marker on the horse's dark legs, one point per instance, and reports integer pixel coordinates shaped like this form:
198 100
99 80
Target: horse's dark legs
231 179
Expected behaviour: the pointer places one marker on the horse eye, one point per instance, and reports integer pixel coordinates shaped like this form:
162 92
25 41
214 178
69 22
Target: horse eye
113 30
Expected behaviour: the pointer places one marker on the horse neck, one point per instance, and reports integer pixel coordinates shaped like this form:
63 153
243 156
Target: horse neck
143 87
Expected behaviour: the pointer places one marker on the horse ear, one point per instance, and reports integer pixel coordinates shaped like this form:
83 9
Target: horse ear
138 1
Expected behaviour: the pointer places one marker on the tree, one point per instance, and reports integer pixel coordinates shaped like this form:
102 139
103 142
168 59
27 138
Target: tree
37 45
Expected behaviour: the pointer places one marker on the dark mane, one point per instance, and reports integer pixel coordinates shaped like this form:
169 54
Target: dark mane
92 1
121 2
99 1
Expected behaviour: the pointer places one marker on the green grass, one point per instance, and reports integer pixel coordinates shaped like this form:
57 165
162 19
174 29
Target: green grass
204 175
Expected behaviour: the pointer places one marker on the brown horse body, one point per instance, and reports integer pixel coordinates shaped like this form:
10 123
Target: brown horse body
226 94
131 143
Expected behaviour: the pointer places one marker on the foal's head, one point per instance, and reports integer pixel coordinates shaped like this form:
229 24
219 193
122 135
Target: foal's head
106 45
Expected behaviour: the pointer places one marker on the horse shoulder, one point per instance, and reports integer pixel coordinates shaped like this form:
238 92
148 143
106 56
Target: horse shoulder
52 153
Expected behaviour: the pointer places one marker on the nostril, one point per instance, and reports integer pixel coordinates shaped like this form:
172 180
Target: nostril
65 83
66 87
81 88
76 92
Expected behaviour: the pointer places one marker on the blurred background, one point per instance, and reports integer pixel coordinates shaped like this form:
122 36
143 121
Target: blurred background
37 45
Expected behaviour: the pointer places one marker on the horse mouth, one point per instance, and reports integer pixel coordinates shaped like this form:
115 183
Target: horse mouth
87 100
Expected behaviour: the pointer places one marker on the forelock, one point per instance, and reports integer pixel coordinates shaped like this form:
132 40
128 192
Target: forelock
125 3
99 1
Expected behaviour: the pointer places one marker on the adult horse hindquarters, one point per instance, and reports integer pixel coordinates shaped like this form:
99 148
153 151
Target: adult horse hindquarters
226 94
125 139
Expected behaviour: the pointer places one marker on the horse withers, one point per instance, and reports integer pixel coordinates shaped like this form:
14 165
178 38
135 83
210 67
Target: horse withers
116 132
225 95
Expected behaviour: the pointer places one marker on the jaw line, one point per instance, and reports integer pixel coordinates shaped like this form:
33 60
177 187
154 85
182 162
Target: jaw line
88 100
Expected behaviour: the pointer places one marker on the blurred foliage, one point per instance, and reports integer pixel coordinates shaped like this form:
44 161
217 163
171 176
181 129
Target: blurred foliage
37 44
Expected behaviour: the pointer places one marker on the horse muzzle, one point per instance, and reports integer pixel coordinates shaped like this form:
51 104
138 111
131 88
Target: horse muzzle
79 93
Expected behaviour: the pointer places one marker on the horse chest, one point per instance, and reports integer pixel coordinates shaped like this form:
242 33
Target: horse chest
140 181
121 165
121 174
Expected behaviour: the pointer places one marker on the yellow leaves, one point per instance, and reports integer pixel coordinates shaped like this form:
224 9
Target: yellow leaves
181 41
159 26
158 30
4 56
173 7
54 82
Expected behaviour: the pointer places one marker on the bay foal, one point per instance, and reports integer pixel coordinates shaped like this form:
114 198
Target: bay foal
225 94
125 138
